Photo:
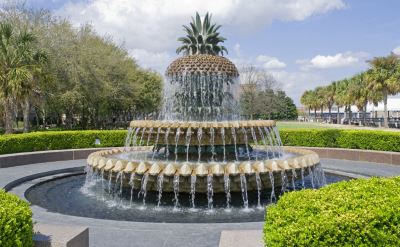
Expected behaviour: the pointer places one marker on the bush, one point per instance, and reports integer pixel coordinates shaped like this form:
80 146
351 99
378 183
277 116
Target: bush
338 138
39 141
363 212
16 228
335 138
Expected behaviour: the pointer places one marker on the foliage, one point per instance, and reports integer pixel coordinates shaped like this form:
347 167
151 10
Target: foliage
341 138
335 138
261 98
16 227
88 81
202 37
361 212
55 140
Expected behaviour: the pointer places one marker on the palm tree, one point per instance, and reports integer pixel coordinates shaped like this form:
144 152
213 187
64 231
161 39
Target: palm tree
15 68
384 78
329 95
320 100
342 97
202 37
37 62
361 95
306 101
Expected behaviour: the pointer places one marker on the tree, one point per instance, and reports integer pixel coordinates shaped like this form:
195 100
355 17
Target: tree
343 97
384 78
16 67
329 95
202 37
306 100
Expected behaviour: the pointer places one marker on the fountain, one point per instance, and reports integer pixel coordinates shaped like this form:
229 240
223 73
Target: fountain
200 144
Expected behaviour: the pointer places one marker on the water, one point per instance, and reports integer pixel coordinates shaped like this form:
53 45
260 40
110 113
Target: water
243 185
210 191
64 195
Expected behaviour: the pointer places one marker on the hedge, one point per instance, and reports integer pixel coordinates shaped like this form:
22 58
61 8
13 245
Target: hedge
16 227
55 140
335 138
339 138
362 212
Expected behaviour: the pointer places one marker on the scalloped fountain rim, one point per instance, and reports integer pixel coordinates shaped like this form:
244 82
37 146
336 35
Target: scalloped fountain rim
100 161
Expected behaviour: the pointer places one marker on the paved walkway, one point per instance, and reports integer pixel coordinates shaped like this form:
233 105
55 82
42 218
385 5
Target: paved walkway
109 233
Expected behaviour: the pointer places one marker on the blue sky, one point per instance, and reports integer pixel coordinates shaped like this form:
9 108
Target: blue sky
303 43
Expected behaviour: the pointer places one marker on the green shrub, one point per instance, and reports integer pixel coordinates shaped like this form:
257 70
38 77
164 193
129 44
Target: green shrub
335 138
363 212
39 141
339 138
16 228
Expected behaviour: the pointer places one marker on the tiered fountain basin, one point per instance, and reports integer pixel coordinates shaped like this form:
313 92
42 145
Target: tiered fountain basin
133 172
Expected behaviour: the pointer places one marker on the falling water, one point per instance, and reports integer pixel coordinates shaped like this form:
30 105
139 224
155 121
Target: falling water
155 145
128 138
176 190
210 191
178 133
166 143
243 185
278 137
134 138
199 136
120 176
223 143
258 182
143 189
160 181
132 184
102 183
193 179
187 142
212 137
271 142
109 181
294 176
253 134
227 186
311 176
246 142
265 142
141 137
234 141
302 178
149 136
284 181
271 179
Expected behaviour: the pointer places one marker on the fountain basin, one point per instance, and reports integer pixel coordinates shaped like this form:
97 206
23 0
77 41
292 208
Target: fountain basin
189 174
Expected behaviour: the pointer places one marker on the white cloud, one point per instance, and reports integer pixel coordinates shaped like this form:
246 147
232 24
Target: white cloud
236 48
331 61
151 60
396 50
270 62
154 25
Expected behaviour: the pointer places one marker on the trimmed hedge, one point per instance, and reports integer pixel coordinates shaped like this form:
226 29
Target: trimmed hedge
335 138
16 227
339 138
362 212
55 140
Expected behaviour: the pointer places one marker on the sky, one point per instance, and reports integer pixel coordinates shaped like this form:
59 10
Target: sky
302 43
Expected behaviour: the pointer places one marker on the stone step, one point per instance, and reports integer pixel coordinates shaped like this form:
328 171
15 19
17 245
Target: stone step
60 236
241 238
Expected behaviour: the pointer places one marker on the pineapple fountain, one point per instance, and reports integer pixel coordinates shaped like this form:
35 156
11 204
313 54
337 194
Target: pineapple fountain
201 145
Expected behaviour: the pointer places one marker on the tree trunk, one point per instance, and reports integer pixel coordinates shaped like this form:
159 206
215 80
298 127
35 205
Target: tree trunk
330 113
322 114
26 112
315 114
9 115
338 115
350 114
385 110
